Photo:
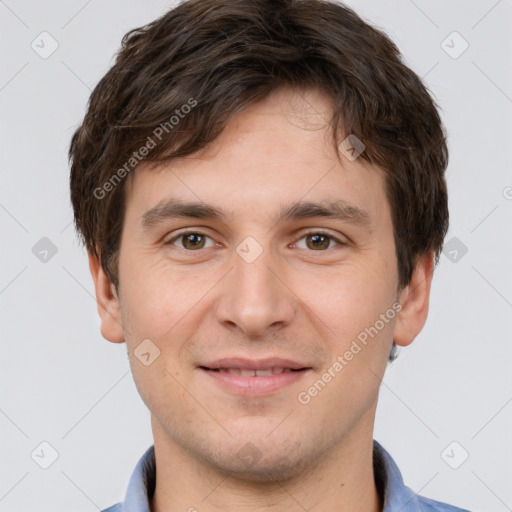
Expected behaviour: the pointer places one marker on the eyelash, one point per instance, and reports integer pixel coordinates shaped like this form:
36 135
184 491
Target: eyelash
195 232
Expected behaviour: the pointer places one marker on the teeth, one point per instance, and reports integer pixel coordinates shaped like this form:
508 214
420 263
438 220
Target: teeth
263 373
276 370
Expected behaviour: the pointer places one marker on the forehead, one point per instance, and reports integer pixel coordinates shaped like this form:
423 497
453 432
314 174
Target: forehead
275 152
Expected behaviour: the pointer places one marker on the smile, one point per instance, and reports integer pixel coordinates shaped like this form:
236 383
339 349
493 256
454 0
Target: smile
276 370
249 377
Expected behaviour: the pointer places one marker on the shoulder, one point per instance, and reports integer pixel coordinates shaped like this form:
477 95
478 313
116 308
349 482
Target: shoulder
397 496
118 507
428 505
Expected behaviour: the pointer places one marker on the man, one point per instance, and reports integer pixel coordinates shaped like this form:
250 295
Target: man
260 187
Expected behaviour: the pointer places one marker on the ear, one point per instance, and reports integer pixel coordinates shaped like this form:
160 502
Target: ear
414 299
107 301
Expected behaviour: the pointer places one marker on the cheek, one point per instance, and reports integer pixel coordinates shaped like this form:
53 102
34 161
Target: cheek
350 299
154 294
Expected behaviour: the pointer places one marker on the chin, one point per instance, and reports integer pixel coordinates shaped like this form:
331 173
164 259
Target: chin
262 461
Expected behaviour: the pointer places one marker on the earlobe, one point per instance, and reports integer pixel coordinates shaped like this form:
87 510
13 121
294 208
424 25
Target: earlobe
414 299
107 302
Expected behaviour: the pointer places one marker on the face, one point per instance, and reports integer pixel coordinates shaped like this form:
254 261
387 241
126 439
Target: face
256 318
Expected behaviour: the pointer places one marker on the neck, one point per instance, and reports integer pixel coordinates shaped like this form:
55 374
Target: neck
343 477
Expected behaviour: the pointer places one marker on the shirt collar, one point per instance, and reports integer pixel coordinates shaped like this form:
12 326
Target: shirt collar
142 484
396 495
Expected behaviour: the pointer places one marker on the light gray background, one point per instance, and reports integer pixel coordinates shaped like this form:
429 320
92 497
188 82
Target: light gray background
63 384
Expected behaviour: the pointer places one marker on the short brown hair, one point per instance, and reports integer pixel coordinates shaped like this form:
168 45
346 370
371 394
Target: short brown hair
218 56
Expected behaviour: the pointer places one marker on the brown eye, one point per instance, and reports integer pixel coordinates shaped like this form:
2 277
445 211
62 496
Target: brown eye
318 241
190 241
193 241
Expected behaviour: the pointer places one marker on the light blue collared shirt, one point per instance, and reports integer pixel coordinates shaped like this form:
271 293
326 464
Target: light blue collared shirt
397 497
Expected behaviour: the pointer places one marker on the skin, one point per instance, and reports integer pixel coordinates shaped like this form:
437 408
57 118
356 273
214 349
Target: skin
294 301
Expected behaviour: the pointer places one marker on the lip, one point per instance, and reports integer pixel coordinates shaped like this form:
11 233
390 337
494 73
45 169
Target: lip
254 385
254 364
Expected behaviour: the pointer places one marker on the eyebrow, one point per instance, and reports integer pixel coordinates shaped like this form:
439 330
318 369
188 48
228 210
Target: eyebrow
337 210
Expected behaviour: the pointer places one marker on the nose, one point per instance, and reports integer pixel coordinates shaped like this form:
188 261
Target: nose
255 299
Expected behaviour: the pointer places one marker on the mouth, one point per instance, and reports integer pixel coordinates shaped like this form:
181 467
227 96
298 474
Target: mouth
254 377
274 370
